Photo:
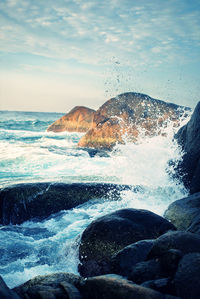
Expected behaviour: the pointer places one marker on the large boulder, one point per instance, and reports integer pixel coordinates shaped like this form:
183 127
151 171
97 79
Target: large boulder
189 139
185 213
79 119
128 114
109 234
56 285
22 202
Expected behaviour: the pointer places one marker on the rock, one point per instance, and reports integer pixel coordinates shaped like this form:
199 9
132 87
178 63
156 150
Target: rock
195 226
161 285
189 138
57 285
169 261
24 202
183 212
126 115
109 234
187 278
144 271
114 287
124 260
186 242
5 292
79 119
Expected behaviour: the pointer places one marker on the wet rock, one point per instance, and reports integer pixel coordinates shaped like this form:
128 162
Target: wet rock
184 213
189 138
24 202
187 278
5 292
169 261
79 119
124 260
109 234
127 114
115 287
57 285
186 242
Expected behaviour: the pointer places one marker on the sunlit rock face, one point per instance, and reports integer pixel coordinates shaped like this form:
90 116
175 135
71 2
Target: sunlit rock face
79 119
128 116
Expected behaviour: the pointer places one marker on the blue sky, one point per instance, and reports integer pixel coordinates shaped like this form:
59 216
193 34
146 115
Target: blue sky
58 54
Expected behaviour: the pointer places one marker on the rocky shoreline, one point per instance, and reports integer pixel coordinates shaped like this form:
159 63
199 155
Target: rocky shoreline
129 253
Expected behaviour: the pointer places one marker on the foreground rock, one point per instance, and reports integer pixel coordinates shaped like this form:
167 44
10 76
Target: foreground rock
189 138
5 292
79 119
109 234
115 287
57 285
128 114
187 278
24 202
185 213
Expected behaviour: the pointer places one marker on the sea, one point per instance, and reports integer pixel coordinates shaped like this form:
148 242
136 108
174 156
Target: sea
28 153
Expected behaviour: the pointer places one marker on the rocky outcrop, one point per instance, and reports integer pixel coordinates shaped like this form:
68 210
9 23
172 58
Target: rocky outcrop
185 213
5 292
24 202
189 139
110 233
79 119
126 116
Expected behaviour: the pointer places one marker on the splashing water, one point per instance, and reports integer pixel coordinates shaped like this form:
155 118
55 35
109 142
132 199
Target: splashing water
33 155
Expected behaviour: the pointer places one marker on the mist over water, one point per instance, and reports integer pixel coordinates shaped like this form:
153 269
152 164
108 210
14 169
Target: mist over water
30 154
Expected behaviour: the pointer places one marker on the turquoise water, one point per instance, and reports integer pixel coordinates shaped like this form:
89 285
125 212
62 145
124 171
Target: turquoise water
28 153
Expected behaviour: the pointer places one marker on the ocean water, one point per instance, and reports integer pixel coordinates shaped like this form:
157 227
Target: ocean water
28 153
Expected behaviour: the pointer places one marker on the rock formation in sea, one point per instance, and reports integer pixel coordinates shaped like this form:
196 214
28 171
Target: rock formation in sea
22 202
189 139
127 116
79 119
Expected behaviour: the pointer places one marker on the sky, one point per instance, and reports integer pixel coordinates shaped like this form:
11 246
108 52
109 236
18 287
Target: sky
55 55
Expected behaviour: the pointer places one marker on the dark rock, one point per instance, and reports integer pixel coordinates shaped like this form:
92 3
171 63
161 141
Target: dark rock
79 119
109 234
113 287
124 260
189 138
169 261
5 292
183 212
57 285
23 202
186 242
127 114
187 278
195 226
144 271
161 285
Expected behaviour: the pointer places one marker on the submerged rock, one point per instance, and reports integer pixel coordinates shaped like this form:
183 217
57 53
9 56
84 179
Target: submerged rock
189 139
185 213
128 114
24 202
79 119
109 234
